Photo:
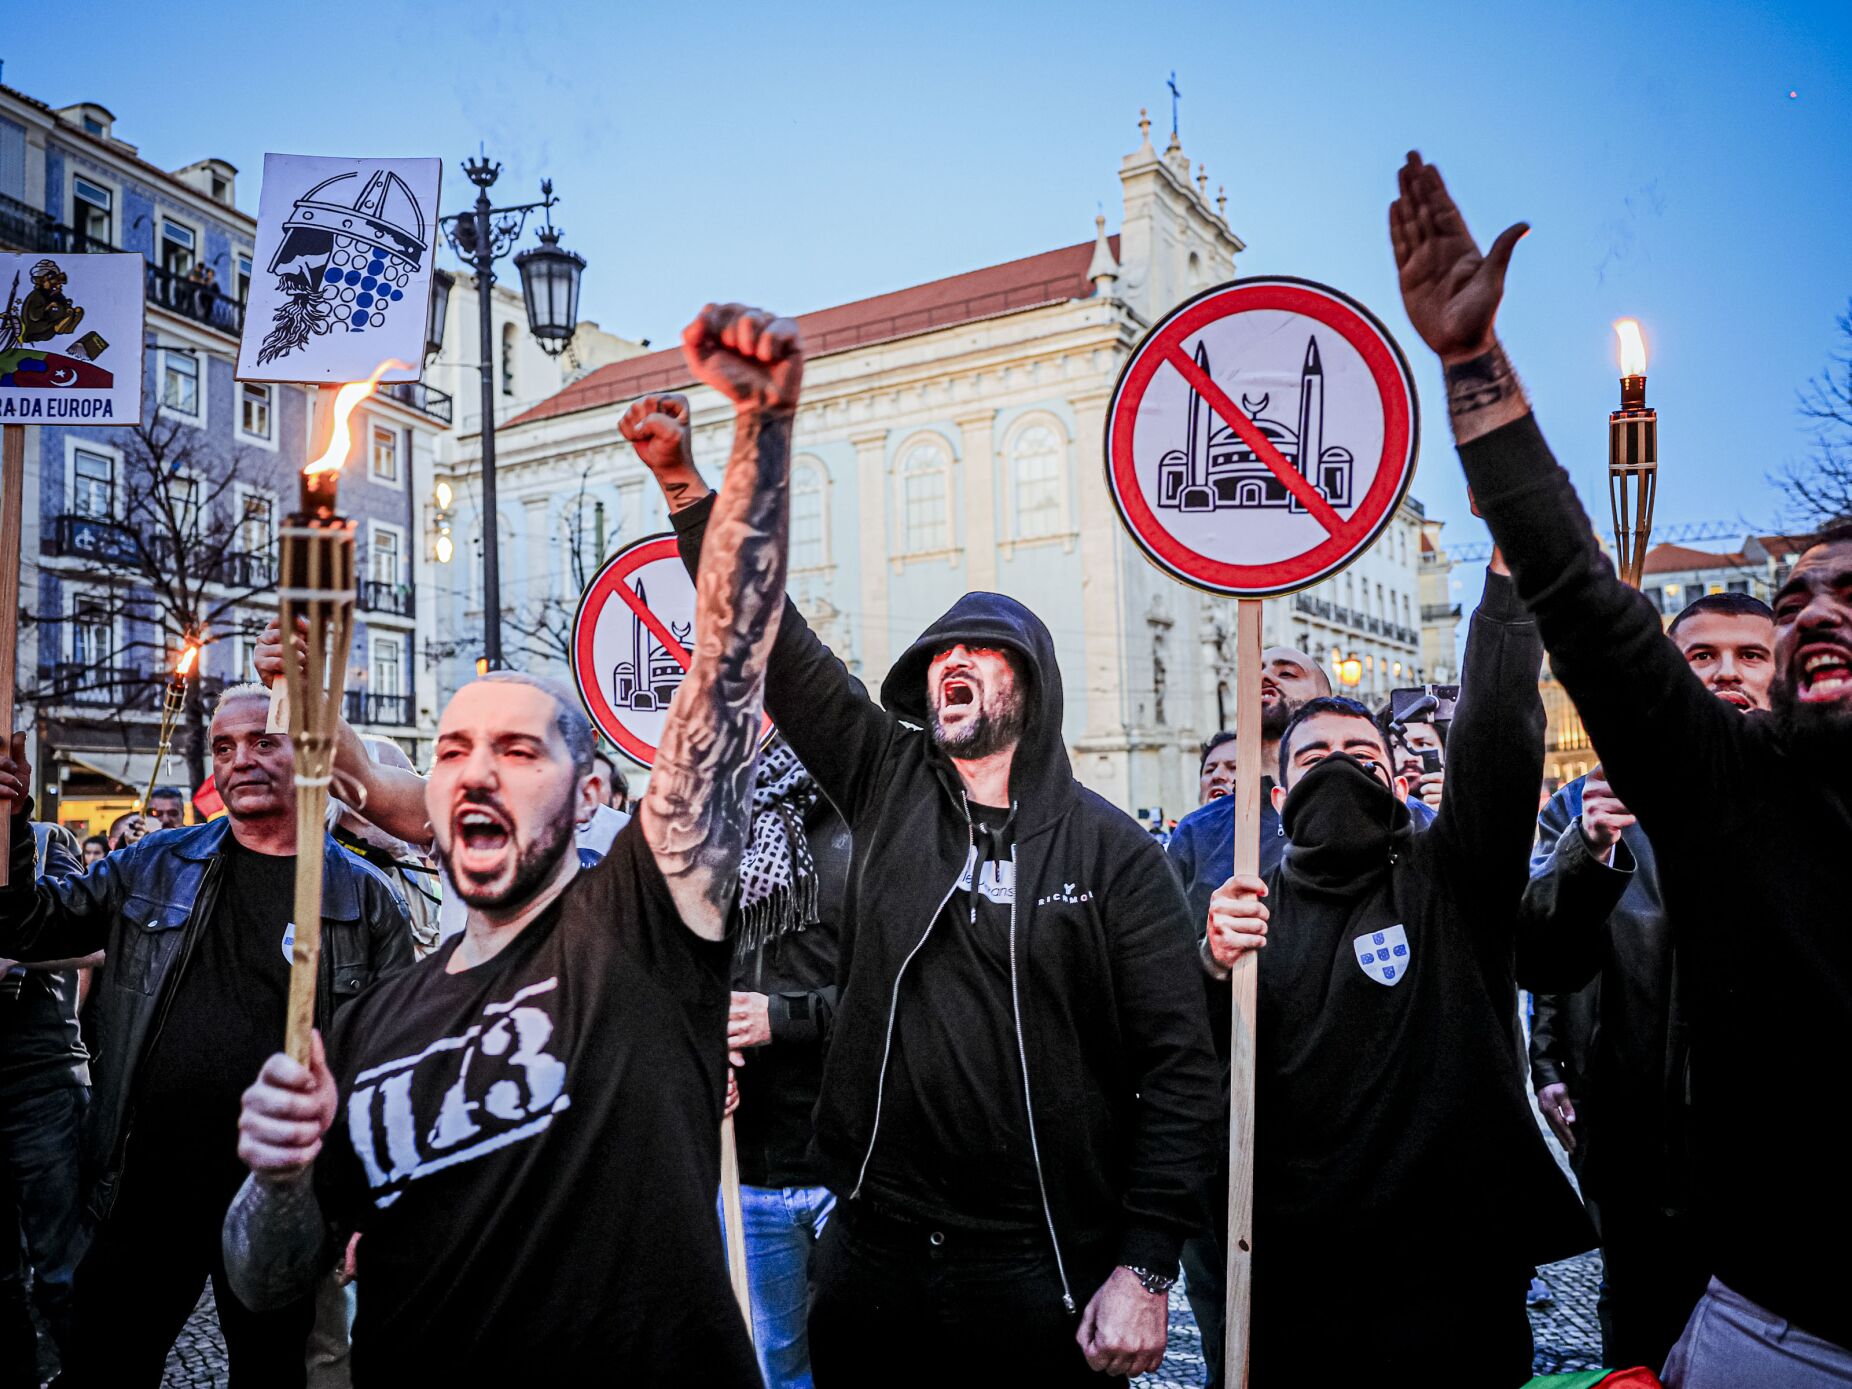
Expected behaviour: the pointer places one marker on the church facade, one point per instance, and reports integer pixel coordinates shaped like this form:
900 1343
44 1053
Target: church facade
950 439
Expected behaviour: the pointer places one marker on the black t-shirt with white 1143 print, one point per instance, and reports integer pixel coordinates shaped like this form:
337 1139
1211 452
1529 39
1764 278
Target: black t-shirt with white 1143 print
530 1150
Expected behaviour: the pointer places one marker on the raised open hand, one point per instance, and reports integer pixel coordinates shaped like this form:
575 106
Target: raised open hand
1451 292
752 357
657 426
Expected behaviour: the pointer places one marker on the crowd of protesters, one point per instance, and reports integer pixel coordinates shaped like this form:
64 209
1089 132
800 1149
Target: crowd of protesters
969 1021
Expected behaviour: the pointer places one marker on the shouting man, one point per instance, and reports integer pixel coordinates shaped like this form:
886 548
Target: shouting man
1017 1106
1611 1070
1762 804
525 1129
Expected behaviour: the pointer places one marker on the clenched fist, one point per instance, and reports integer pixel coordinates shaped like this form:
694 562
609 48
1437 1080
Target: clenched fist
657 426
1237 920
752 357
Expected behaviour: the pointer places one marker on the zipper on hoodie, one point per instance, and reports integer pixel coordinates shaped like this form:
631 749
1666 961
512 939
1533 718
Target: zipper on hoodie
1028 1103
893 1005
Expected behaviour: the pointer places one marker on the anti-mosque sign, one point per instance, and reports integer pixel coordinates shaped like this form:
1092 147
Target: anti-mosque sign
71 339
345 250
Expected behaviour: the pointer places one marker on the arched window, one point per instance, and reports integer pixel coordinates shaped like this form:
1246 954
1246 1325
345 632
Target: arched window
508 342
809 516
925 488
1037 458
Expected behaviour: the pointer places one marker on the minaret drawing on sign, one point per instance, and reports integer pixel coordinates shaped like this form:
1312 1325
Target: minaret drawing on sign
648 679
1215 470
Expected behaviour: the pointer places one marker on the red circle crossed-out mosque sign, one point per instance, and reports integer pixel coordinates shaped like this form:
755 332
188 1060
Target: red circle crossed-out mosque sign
630 643
1261 436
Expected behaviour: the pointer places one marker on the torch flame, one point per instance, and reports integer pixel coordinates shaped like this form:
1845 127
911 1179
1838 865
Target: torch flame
1632 348
346 401
184 666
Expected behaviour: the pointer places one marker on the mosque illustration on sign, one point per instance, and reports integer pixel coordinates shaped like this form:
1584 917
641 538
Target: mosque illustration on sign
648 679
1215 470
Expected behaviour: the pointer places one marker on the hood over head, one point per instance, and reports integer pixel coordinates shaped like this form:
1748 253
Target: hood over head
1041 776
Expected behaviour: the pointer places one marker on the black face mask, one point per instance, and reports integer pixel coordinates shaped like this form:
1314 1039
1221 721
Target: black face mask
1344 827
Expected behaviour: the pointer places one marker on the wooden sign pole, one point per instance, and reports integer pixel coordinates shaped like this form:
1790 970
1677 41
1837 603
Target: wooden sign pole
12 483
1248 773
734 1219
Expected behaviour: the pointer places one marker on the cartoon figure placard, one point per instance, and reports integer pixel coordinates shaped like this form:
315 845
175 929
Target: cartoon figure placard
345 249
71 338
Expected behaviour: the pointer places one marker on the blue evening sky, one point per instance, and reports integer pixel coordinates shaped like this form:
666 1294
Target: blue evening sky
801 156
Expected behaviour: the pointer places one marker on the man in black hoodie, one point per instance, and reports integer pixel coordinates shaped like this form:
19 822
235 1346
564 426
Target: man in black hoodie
1740 808
1018 1103
1393 1128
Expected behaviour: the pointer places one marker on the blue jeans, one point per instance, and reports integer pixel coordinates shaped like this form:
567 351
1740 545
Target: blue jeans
783 1225
39 1178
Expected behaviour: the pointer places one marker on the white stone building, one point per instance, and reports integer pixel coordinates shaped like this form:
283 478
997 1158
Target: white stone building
950 439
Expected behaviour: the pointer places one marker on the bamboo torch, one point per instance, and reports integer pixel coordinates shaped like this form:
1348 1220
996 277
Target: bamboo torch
1633 458
317 591
170 715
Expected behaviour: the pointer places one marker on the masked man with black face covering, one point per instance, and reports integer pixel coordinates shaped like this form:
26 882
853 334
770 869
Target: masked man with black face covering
1393 1129
1017 1106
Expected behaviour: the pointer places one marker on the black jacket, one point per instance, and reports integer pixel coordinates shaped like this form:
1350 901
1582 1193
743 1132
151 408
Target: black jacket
796 971
144 906
1121 1078
1752 828
1395 1122
1621 1042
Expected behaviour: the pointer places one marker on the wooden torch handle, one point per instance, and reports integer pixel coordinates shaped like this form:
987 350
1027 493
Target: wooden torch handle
12 483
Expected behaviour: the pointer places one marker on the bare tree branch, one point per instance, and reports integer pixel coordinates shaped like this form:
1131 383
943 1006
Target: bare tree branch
1819 488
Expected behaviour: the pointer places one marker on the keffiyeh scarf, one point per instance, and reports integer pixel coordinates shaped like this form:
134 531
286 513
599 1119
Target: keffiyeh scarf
778 873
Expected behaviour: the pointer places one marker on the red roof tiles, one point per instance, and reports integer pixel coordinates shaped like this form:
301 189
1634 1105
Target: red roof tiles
1049 278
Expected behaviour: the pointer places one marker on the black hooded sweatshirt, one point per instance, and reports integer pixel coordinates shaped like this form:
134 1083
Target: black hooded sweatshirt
1114 1067
1393 1127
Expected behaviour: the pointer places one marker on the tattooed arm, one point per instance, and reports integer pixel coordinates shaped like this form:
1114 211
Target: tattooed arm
275 1241
694 813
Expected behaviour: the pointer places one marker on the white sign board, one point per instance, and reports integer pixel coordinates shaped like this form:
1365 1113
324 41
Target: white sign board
342 276
71 338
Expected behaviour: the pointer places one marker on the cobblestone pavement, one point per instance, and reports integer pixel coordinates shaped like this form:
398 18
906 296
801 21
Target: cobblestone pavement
1566 1331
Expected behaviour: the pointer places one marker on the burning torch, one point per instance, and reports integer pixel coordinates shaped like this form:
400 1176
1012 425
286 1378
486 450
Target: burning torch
1633 457
316 597
170 715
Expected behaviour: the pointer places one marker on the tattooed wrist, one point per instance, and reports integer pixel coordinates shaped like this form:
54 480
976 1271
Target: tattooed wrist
1483 393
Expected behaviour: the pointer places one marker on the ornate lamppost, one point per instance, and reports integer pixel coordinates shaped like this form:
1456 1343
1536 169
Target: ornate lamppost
550 287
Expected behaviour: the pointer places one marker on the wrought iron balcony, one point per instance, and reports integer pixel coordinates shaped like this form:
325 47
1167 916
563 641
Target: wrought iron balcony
364 707
113 687
202 303
378 596
433 402
93 538
247 570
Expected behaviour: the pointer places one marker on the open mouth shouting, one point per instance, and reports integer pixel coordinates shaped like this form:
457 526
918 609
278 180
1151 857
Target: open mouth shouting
1734 696
1825 673
481 839
956 691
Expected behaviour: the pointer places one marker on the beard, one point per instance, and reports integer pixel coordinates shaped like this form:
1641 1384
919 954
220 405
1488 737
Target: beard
993 730
1275 716
1806 721
534 865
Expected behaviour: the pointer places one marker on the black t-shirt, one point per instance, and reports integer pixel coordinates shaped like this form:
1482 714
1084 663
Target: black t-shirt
530 1150
953 1142
40 1048
225 1020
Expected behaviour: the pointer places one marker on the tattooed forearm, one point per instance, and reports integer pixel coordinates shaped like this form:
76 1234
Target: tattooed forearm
1482 394
694 814
274 1241
682 492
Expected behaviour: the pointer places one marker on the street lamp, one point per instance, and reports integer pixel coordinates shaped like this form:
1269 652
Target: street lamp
550 286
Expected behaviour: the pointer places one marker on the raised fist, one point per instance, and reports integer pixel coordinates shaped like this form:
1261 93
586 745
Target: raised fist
657 426
751 357
1451 292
